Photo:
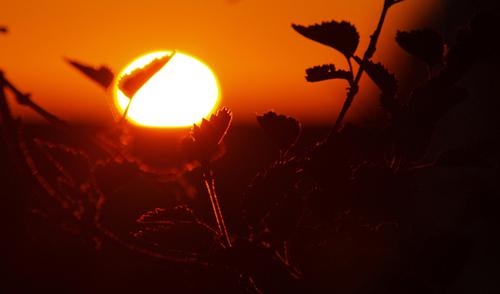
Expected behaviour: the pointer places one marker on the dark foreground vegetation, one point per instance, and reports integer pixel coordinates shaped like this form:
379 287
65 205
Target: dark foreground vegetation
347 209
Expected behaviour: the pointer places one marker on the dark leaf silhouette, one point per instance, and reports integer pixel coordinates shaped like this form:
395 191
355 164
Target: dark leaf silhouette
284 130
386 81
326 72
175 229
204 144
131 83
342 36
103 75
427 45
4 30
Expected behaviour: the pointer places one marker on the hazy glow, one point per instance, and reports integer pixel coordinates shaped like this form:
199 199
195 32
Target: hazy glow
182 93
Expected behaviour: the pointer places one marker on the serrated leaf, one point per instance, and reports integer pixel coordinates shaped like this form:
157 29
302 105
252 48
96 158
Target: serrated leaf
102 75
427 45
204 143
131 83
283 130
341 36
385 80
326 72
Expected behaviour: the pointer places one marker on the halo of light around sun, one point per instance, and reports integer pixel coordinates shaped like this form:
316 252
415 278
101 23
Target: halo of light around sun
181 93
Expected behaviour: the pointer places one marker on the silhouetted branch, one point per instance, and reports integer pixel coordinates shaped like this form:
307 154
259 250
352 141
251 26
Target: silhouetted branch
368 54
25 99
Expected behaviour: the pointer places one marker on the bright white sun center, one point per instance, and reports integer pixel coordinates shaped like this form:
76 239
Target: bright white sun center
181 93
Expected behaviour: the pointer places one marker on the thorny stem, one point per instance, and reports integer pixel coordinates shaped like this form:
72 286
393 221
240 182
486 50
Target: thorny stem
354 87
209 181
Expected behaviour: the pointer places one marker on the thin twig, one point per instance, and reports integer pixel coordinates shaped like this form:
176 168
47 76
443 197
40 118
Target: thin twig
25 99
353 90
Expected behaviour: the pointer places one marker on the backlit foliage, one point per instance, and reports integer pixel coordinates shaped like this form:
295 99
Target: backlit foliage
333 216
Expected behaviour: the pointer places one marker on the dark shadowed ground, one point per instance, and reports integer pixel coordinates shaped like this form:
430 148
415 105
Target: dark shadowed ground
40 254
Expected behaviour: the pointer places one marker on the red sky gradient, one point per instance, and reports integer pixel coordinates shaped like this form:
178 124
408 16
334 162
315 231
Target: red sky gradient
259 59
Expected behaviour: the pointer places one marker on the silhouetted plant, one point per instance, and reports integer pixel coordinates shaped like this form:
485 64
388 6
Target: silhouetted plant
204 146
344 37
335 214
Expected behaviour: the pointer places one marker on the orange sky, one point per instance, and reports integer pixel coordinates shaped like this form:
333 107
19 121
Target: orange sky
259 59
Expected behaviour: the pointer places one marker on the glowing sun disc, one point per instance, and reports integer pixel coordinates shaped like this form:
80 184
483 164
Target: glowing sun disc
181 93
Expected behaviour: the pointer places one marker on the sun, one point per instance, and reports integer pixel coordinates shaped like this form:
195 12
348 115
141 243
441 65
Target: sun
181 93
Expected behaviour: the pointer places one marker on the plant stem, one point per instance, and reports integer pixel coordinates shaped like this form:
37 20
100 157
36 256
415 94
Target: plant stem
125 112
209 181
5 113
355 84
